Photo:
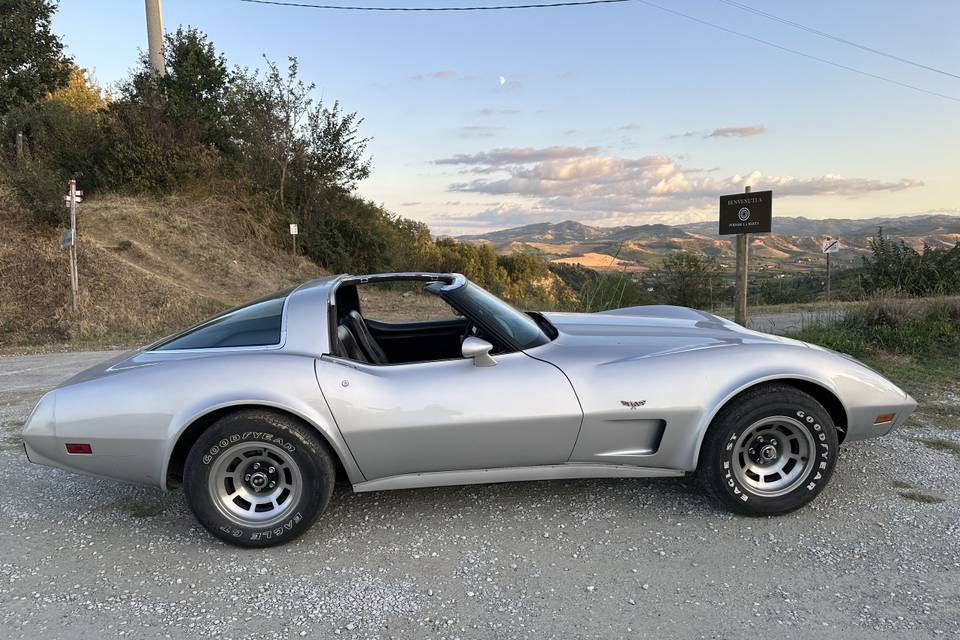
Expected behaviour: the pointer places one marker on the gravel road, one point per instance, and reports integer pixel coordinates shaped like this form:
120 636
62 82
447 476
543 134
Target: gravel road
86 558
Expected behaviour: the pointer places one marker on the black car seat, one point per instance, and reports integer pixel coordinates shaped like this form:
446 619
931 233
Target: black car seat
369 346
349 347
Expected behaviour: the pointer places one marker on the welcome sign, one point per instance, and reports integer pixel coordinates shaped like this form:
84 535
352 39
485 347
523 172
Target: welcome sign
746 212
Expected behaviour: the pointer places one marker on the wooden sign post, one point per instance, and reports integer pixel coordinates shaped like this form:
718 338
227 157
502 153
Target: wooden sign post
743 260
743 214
71 199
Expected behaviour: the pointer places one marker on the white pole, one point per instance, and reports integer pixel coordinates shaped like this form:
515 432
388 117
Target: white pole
155 37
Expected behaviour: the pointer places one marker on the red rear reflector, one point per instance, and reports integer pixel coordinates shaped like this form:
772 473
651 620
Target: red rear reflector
79 447
884 418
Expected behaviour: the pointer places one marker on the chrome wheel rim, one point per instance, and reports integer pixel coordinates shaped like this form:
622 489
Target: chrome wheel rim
255 484
773 456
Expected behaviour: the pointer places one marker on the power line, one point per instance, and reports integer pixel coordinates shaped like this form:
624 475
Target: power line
824 34
797 52
502 7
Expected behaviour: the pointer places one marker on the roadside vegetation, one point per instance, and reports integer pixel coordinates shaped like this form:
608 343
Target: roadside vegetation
914 342
914 328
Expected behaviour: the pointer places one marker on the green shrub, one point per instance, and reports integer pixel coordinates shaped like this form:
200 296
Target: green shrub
39 190
922 328
894 266
141 151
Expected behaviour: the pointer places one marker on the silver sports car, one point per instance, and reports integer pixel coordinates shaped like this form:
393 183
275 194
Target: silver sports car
257 411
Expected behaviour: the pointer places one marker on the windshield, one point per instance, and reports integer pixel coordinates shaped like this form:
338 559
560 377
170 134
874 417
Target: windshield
499 316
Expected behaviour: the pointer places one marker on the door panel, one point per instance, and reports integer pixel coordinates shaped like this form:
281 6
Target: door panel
451 415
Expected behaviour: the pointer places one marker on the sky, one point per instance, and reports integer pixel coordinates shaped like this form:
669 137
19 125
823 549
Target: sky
606 114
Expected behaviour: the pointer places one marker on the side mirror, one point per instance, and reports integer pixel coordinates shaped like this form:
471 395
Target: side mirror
479 350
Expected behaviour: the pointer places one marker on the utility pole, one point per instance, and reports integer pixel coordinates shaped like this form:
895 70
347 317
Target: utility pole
155 37
19 147
743 246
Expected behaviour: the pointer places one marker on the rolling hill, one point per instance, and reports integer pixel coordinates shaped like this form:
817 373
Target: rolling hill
795 247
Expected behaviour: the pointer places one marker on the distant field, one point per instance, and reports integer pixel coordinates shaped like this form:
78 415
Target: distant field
602 262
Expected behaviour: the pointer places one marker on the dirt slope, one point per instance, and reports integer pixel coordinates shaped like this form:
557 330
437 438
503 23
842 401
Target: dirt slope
148 266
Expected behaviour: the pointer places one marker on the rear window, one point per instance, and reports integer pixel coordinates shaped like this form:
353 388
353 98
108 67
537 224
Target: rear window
257 324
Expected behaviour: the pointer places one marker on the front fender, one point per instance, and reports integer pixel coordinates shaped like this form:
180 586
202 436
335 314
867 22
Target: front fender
683 390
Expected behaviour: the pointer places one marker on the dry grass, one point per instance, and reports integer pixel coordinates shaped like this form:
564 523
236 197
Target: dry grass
147 267
942 444
402 303
602 262
920 496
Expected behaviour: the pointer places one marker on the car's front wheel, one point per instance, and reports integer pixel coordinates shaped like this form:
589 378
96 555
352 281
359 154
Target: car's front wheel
257 478
768 452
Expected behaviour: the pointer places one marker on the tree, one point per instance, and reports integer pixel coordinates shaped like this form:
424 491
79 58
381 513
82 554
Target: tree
81 92
32 62
335 151
290 101
687 279
193 92
303 152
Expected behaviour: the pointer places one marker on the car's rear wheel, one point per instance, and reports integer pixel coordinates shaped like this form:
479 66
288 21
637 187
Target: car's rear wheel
257 478
770 451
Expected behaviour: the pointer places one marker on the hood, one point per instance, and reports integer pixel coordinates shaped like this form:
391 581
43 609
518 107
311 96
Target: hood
653 330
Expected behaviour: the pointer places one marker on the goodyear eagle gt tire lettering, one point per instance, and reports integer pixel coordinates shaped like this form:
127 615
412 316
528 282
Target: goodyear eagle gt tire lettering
768 452
256 478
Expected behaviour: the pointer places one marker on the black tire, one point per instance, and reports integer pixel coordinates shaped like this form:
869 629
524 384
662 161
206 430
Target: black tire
291 455
772 419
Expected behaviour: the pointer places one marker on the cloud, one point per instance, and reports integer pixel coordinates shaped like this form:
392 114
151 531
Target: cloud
490 111
570 132
518 155
556 183
501 216
737 132
723 132
633 126
479 131
435 75
836 185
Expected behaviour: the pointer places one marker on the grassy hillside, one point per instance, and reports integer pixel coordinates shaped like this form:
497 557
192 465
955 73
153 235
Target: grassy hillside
147 267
